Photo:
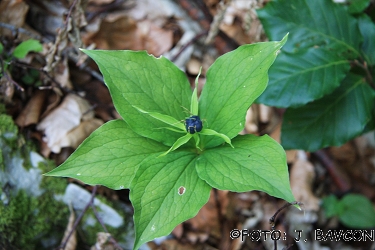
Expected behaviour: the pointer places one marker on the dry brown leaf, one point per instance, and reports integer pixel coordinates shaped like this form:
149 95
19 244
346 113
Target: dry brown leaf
153 38
12 12
173 244
75 136
122 32
193 66
345 154
241 23
71 244
6 89
301 178
53 100
178 231
64 118
355 160
275 134
61 73
265 113
206 222
158 12
67 32
31 113
111 33
103 242
251 125
100 2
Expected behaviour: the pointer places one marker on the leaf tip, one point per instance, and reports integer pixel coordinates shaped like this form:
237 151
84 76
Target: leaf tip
285 38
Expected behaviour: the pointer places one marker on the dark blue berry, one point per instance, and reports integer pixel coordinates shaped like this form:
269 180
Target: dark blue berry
193 124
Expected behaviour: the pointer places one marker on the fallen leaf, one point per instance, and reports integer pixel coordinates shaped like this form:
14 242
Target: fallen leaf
53 100
251 126
241 23
71 243
64 118
103 242
275 134
31 112
301 179
100 2
265 113
6 89
206 222
122 32
75 136
12 12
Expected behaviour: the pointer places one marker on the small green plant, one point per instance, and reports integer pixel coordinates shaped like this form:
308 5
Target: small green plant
353 210
170 176
19 52
325 74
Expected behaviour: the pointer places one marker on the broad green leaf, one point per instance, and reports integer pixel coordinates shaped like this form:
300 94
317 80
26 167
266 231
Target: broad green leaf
135 78
165 118
110 156
165 192
299 78
180 141
367 28
194 97
233 82
27 46
331 120
207 131
330 205
357 212
357 6
255 163
311 24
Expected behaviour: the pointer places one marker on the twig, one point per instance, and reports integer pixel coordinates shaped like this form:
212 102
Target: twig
63 244
330 166
174 58
70 12
273 218
16 30
24 31
215 25
105 228
14 82
223 42
5 74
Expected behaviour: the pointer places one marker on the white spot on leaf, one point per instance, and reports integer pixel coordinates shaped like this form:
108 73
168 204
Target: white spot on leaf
121 187
78 173
181 190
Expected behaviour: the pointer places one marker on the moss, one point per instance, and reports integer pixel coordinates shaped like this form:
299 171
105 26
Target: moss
8 130
89 231
12 144
26 220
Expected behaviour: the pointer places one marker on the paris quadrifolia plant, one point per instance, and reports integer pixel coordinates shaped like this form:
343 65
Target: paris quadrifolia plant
170 158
